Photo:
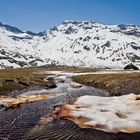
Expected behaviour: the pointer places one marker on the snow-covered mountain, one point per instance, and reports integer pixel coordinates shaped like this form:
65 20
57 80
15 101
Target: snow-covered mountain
86 44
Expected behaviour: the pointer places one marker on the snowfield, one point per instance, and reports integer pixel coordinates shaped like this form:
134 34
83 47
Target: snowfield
73 43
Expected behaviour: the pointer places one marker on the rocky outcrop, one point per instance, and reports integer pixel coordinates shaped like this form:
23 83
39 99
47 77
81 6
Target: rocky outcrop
131 66
75 85
50 83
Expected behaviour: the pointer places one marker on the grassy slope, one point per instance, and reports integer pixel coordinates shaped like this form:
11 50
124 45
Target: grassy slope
116 84
18 79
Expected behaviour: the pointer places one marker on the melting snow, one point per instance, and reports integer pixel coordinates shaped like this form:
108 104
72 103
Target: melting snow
109 114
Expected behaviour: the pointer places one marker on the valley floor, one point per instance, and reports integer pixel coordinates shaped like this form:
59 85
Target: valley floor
120 83
30 119
12 80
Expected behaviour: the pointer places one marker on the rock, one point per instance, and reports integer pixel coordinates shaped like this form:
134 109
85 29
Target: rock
131 66
24 81
107 68
75 85
9 80
50 83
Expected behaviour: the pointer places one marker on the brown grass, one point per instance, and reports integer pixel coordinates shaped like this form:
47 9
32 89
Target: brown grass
19 79
116 84
71 69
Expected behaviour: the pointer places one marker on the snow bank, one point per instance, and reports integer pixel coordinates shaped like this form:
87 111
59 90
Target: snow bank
15 101
109 114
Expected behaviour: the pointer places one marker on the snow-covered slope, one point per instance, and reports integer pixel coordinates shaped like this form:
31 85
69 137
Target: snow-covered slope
18 48
87 44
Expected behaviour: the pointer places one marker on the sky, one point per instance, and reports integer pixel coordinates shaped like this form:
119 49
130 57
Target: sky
39 15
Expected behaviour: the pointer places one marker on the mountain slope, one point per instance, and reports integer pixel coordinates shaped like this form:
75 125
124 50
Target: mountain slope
87 44
18 48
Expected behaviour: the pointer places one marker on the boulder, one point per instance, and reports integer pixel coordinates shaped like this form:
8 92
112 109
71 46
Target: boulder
75 85
131 66
50 83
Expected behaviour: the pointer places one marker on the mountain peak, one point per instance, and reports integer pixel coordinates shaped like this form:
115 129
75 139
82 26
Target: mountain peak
72 43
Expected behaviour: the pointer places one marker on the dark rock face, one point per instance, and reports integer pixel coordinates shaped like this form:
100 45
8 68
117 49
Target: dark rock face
86 48
133 30
87 38
12 29
107 68
131 66
33 34
135 47
70 30
122 26
71 22
50 83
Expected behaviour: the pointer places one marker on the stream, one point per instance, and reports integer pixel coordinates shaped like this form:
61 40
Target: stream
19 123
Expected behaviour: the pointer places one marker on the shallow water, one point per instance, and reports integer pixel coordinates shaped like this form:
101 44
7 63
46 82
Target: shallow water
63 81
16 124
66 130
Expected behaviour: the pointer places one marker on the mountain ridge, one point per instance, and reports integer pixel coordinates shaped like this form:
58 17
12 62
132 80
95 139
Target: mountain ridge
72 43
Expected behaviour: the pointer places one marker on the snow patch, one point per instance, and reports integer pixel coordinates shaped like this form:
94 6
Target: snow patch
109 114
